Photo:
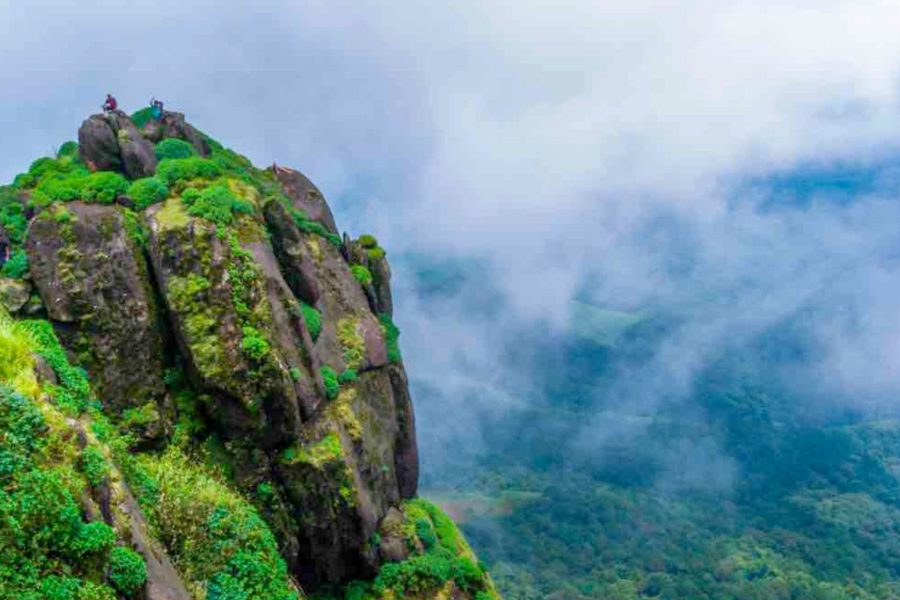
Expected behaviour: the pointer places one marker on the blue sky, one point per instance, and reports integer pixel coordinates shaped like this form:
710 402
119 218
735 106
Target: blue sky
561 145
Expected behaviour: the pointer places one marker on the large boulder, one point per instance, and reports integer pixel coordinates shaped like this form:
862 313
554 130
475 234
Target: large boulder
305 196
342 479
14 294
294 253
367 253
98 145
406 453
351 336
111 142
93 279
246 349
174 125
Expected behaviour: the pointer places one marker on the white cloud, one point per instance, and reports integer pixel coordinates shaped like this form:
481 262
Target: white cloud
546 138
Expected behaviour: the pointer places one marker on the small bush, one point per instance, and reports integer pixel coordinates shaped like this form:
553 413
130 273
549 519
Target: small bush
57 189
216 203
126 571
142 117
17 265
361 274
348 376
174 148
134 228
352 342
391 337
368 241
103 187
94 538
48 168
12 215
94 465
254 344
301 220
173 170
147 192
313 320
68 150
330 379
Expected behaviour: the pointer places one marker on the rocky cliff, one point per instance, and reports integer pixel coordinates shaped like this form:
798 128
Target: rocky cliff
199 327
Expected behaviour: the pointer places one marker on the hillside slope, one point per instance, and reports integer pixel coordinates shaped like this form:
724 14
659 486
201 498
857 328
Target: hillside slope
202 393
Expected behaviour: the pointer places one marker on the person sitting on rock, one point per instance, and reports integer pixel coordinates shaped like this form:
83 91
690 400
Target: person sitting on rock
156 109
110 105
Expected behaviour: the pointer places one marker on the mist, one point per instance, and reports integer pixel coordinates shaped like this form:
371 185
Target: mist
641 156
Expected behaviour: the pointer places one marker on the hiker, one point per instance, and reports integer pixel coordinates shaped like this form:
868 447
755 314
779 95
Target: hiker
156 109
110 105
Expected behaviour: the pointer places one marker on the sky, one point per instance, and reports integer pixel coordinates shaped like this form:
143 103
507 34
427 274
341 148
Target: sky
734 159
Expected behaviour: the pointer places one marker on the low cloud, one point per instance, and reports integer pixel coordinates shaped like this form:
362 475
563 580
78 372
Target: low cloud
600 150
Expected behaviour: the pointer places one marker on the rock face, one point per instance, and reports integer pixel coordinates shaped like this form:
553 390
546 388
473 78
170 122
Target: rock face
14 294
305 196
287 349
173 125
111 142
95 284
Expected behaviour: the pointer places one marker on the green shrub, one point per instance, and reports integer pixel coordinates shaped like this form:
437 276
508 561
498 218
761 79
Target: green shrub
348 376
368 241
216 203
68 150
134 228
21 423
94 538
62 215
48 168
217 539
94 465
313 320
17 265
103 187
174 148
303 223
173 170
190 195
249 575
391 337
12 215
254 344
425 533
415 575
330 379
147 191
57 189
142 117
126 571
361 274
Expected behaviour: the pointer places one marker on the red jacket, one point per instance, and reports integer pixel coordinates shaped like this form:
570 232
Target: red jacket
111 102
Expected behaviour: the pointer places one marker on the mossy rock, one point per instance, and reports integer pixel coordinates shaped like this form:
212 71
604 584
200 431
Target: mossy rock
95 283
